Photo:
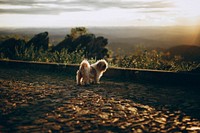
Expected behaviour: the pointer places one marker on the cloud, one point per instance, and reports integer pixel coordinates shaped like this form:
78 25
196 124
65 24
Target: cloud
37 7
153 11
99 4
59 6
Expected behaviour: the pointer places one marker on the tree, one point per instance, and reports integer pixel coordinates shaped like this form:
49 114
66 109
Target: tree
78 31
80 40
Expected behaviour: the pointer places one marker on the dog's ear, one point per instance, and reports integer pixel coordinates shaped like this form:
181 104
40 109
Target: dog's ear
101 66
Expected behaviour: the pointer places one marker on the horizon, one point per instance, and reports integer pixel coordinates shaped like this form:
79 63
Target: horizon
197 27
96 13
129 35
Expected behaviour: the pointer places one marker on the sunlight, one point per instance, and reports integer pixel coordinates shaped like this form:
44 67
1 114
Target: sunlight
187 12
188 8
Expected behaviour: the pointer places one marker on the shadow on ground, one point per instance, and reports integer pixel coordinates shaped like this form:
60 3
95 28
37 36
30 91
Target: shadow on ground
36 101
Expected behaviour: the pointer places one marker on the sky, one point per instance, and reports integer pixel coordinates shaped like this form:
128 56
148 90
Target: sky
67 13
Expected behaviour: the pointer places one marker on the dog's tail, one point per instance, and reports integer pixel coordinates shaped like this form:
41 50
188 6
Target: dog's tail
85 66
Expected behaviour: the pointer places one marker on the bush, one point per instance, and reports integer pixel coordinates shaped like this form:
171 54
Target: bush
141 59
41 55
153 59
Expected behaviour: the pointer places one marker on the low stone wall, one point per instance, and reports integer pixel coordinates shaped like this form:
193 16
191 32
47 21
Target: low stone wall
154 76
113 73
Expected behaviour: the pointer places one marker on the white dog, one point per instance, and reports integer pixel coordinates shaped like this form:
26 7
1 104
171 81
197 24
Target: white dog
90 73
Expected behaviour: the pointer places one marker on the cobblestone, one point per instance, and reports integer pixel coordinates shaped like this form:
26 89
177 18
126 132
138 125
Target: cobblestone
35 101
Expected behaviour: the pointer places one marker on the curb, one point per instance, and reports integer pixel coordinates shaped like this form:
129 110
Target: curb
113 73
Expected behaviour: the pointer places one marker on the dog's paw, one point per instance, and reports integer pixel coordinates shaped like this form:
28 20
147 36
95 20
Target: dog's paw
96 83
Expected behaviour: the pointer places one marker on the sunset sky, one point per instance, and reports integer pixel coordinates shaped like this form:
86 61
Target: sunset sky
65 13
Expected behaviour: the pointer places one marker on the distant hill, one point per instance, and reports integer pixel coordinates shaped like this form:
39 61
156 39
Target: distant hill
128 45
188 52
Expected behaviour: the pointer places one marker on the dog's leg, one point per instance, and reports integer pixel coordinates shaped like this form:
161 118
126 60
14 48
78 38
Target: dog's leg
87 81
86 78
78 78
96 79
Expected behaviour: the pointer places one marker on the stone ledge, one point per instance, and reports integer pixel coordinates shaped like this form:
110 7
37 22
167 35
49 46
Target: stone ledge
113 73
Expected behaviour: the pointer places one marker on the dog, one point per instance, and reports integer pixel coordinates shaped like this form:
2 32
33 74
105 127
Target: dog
82 75
91 74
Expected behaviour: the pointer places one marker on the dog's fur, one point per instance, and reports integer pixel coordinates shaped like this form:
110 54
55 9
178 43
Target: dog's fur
88 74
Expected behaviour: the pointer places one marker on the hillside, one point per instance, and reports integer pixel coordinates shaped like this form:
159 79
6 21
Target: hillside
186 51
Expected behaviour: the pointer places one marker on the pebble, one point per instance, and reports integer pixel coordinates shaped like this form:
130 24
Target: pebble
48 102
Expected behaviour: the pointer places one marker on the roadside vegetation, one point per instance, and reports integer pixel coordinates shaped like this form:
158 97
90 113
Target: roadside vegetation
153 59
139 58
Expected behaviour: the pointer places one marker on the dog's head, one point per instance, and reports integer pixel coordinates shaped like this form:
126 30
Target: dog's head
102 65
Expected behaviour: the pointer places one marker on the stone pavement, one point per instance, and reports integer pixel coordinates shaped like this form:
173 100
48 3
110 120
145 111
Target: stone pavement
36 101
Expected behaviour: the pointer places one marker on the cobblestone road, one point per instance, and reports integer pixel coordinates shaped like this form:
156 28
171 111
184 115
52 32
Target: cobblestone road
34 101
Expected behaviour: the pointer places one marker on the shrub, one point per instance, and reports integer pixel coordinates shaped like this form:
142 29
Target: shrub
41 55
153 59
140 58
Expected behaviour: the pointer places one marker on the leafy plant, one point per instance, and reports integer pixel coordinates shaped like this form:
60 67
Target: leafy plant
41 55
153 59
140 58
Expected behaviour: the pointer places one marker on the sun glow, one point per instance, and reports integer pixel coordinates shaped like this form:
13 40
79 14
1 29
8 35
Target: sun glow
187 12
